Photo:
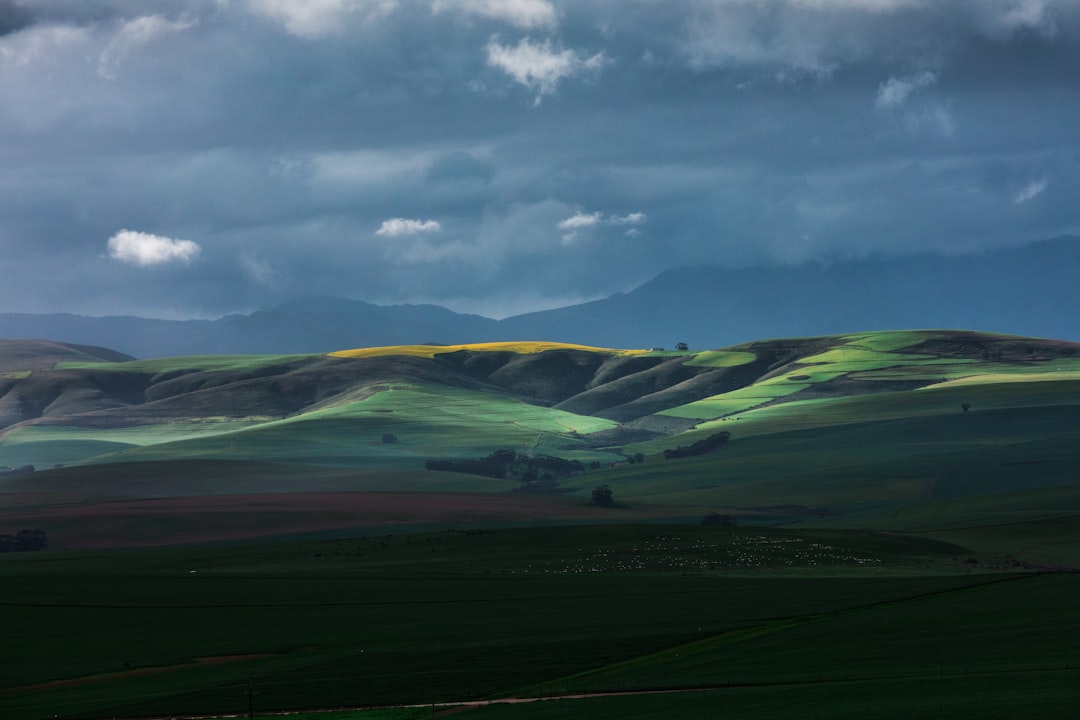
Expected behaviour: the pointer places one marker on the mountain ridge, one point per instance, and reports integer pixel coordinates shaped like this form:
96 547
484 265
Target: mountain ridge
1027 290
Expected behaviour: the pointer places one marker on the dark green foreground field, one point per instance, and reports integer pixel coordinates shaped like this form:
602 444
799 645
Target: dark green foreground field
752 621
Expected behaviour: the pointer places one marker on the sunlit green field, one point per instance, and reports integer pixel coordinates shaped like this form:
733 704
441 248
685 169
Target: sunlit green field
426 420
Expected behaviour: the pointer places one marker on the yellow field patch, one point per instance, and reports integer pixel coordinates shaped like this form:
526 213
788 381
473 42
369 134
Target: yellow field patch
430 351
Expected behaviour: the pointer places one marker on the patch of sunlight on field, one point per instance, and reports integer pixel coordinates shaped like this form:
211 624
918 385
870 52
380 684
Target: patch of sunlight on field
50 444
427 421
430 351
140 435
871 353
1015 377
890 340
432 402
715 407
861 358
721 359
946 399
736 400
948 371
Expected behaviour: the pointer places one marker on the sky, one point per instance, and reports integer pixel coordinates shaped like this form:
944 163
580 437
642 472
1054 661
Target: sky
193 158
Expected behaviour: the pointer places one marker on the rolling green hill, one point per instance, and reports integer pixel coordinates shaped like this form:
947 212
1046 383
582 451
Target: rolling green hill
906 429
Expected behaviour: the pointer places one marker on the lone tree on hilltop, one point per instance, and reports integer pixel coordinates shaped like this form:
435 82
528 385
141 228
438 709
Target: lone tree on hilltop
603 496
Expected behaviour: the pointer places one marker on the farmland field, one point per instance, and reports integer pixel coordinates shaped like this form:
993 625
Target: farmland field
473 615
869 525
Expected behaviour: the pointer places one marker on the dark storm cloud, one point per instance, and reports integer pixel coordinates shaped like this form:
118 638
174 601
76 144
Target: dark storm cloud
13 17
283 139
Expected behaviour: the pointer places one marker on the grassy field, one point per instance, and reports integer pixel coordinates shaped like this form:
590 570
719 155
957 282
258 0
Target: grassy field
187 363
884 456
454 616
427 420
820 440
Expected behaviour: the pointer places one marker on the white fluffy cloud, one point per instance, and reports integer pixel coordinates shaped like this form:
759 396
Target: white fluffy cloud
538 67
397 227
895 91
144 249
1029 191
580 221
526 14
634 218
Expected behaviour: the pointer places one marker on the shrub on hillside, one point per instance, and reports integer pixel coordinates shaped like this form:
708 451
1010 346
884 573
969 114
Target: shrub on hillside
494 465
24 541
603 496
509 464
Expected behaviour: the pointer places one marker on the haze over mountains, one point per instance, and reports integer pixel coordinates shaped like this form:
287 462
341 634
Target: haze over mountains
1029 290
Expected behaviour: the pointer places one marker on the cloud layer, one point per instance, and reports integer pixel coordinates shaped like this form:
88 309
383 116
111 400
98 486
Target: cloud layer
503 155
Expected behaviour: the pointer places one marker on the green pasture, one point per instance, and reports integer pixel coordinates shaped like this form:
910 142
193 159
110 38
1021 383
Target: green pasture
47 445
721 358
995 628
1045 693
944 400
1030 539
428 420
465 615
875 357
204 478
737 400
864 458
890 340
432 420
188 363
862 356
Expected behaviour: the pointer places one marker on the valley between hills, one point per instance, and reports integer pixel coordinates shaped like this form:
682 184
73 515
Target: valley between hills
762 500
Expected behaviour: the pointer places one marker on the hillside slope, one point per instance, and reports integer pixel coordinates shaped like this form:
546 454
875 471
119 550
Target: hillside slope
904 428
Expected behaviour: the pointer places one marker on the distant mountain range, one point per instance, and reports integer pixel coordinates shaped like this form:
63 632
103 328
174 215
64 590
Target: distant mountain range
1030 290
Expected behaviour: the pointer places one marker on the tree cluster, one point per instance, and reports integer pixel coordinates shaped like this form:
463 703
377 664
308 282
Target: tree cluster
719 520
511 466
701 447
603 496
24 541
